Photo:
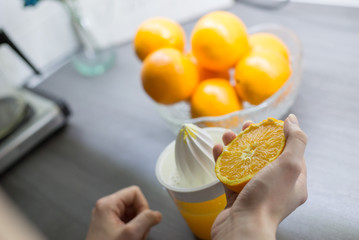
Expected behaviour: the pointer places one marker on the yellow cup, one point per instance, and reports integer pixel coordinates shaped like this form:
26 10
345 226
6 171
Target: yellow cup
199 205
200 216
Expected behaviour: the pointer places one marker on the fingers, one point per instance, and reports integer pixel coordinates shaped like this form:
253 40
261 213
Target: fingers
130 197
228 137
142 223
301 190
304 168
302 184
292 157
231 196
295 137
217 150
246 124
124 215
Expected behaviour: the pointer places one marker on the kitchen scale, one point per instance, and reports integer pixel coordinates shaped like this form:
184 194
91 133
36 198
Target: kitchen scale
27 117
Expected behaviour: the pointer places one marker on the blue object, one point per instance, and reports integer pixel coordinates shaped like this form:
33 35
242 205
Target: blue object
30 2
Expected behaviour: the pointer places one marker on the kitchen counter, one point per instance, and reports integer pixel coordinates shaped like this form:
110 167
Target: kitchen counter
115 135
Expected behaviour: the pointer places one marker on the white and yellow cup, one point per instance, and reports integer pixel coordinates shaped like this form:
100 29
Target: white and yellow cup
199 205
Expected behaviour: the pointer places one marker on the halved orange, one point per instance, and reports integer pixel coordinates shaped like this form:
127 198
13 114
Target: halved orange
249 152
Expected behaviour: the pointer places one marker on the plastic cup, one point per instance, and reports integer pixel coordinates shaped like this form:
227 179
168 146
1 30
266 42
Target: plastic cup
199 205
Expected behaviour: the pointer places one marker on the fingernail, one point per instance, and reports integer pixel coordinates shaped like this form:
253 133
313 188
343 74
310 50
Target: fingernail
247 121
293 119
158 215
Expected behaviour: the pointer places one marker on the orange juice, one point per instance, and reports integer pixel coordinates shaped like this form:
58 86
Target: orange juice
200 216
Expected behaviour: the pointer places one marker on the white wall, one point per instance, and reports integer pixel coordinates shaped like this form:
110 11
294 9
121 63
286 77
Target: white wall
43 34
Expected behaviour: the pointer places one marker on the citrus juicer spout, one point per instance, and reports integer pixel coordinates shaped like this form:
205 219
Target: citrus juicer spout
193 156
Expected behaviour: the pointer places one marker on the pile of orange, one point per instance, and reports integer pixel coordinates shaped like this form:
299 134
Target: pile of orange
219 44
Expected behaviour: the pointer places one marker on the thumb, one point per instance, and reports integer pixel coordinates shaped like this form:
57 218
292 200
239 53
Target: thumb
296 139
292 158
144 221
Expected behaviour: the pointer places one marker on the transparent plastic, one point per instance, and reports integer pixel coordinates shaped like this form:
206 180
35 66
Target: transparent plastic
276 106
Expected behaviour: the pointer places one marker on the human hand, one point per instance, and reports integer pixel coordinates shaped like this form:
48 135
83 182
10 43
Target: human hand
270 196
122 215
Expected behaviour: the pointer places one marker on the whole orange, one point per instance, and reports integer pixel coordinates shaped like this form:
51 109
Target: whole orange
168 76
214 97
268 41
260 74
219 40
156 33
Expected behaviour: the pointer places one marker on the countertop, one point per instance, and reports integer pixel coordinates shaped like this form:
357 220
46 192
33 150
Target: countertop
115 135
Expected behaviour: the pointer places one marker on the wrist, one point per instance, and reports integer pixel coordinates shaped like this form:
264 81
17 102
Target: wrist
253 225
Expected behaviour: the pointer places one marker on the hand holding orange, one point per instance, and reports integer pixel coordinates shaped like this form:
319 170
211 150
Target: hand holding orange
249 152
272 194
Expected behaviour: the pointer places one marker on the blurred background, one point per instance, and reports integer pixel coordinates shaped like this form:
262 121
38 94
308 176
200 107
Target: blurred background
45 35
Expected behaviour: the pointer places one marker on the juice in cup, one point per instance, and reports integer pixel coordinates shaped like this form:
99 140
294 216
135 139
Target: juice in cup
199 201
200 216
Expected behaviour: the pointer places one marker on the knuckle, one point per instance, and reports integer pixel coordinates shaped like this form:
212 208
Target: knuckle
293 168
93 210
304 198
101 204
299 134
285 156
289 165
147 214
129 231
252 199
260 184
135 188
